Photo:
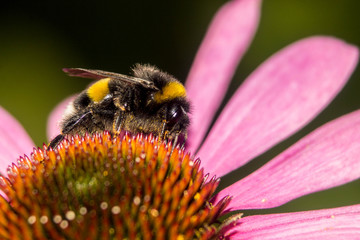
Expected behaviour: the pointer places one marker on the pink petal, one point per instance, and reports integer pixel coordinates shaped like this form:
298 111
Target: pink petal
226 41
279 98
14 141
337 223
327 157
53 128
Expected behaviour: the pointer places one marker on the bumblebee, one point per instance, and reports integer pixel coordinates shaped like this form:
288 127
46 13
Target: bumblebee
149 101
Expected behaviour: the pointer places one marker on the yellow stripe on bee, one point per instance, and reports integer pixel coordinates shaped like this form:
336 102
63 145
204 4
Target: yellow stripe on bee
99 90
170 91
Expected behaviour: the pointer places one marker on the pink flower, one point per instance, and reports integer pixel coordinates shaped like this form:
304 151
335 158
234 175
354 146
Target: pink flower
280 97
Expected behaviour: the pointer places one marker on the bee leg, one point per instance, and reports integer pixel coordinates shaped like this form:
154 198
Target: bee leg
118 122
67 129
175 141
163 133
56 141
121 105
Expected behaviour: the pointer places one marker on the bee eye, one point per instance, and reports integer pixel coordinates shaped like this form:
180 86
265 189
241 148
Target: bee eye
174 114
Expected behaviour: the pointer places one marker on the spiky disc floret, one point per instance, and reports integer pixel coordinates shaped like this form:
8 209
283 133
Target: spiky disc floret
99 187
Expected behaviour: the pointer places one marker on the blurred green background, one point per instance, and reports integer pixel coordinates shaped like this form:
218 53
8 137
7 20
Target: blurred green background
39 38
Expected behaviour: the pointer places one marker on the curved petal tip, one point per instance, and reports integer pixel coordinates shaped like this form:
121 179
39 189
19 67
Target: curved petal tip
227 39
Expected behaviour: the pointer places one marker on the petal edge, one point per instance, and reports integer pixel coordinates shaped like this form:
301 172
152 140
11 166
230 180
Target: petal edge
326 224
14 140
226 41
280 97
327 157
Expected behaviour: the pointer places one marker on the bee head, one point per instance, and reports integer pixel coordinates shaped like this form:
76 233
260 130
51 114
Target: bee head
177 113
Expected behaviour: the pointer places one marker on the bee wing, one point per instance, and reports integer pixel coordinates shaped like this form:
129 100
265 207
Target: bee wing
99 74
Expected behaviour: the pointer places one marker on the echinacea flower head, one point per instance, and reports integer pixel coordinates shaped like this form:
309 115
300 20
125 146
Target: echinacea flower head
99 187
72 187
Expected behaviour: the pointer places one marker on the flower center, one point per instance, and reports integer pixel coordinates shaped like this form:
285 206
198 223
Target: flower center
103 187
